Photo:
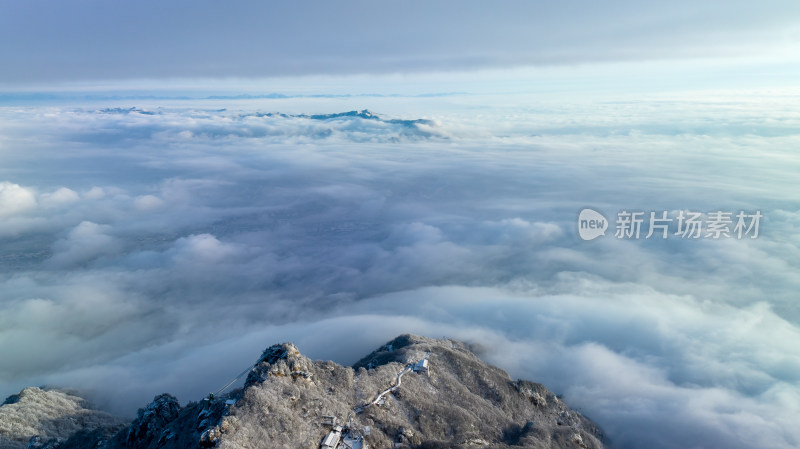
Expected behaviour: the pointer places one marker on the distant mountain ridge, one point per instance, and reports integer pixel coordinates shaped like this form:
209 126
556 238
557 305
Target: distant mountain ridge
413 392
51 415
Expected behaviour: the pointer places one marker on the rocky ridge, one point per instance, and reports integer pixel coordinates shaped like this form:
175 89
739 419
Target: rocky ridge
290 401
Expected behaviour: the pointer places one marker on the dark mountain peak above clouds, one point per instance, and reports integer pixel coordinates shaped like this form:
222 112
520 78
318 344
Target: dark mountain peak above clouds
152 419
364 114
369 115
412 392
208 124
126 111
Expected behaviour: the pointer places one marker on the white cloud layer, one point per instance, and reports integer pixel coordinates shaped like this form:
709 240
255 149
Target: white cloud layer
15 199
144 246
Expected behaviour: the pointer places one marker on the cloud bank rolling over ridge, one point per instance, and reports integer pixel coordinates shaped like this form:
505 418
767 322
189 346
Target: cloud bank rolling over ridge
144 247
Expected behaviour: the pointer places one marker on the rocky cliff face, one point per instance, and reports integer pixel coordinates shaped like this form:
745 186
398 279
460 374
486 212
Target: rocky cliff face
413 392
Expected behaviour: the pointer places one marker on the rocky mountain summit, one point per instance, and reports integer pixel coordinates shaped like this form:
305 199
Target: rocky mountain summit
413 392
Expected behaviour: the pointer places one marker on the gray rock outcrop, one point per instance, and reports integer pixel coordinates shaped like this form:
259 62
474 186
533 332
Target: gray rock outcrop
389 399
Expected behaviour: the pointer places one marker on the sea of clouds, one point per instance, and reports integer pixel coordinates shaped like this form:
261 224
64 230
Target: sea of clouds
162 247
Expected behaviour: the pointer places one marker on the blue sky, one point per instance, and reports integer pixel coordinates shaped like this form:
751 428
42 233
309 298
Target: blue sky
52 41
154 224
